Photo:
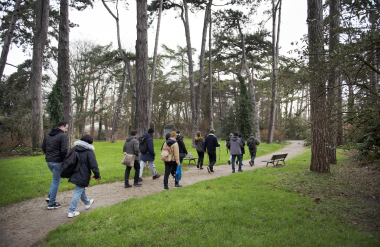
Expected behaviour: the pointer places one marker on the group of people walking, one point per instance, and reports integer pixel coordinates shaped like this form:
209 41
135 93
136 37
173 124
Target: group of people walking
55 146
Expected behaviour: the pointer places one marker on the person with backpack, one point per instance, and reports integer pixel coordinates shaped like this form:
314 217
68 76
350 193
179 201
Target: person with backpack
199 142
81 178
170 155
55 148
236 146
131 146
228 147
147 155
210 145
252 144
181 146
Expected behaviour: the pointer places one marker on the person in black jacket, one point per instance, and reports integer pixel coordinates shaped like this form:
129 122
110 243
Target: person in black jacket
55 146
199 142
210 145
182 147
81 178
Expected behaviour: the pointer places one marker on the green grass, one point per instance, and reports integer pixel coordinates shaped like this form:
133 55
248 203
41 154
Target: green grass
253 208
28 177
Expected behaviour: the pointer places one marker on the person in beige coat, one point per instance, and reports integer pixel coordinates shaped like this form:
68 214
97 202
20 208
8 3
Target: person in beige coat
174 163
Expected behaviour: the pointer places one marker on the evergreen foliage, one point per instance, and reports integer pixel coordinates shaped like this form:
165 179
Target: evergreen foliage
245 114
54 105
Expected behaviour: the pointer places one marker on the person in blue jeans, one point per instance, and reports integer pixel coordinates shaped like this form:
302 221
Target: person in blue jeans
55 147
81 178
236 145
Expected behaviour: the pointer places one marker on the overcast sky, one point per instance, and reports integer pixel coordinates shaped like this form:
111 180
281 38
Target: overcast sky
98 25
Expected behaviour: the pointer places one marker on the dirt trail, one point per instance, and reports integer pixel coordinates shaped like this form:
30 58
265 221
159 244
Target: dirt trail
26 223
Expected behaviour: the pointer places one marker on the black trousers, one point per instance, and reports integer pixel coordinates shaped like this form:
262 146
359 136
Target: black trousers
136 165
169 166
212 160
201 156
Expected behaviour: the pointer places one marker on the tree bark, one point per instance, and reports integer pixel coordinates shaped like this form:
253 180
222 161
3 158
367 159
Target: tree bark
154 64
333 80
256 127
185 20
8 37
210 68
142 84
275 55
202 65
40 35
64 69
319 160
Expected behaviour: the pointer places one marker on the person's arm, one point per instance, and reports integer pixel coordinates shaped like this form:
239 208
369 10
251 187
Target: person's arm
136 147
63 146
183 146
93 164
217 144
124 147
205 145
151 147
176 153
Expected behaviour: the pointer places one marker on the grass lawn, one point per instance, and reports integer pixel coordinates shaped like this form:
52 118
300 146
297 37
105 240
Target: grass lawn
262 207
27 177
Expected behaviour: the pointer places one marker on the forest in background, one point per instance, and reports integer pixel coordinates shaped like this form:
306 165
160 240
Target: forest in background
326 91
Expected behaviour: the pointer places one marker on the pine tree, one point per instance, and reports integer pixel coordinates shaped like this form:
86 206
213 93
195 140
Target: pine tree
245 116
54 106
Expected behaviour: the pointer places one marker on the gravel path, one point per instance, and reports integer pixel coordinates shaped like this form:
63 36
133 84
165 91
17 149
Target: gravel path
26 223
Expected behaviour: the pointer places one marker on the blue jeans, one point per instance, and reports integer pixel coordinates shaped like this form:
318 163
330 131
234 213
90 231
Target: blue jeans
55 169
233 161
152 167
79 192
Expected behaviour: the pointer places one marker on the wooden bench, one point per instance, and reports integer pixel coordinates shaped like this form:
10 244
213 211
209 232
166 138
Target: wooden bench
276 158
190 158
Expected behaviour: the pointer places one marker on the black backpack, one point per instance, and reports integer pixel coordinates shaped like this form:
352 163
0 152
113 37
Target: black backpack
143 144
70 164
251 145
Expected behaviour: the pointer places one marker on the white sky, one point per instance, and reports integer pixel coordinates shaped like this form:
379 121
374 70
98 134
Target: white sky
99 26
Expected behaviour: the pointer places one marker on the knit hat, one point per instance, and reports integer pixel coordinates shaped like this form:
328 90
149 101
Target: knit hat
150 131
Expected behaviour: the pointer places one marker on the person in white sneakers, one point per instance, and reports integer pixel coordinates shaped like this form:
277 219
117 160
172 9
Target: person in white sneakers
81 178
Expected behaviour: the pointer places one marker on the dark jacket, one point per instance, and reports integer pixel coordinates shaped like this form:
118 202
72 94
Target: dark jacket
236 145
54 145
131 146
199 142
148 156
210 144
181 145
87 164
242 149
254 142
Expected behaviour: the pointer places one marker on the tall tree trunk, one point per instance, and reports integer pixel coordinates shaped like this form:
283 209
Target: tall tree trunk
185 20
333 80
210 68
40 35
339 140
256 127
64 69
116 115
154 64
319 160
127 66
201 63
8 37
220 98
275 55
142 84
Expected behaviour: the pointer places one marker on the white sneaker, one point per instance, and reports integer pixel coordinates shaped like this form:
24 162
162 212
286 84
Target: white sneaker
73 214
89 205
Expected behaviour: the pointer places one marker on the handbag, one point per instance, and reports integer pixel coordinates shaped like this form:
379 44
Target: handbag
128 160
